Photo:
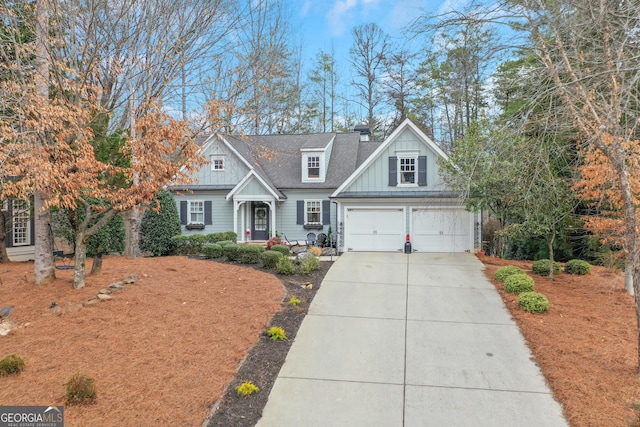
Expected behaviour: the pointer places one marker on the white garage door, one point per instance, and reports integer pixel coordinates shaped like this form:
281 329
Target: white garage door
441 230
374 229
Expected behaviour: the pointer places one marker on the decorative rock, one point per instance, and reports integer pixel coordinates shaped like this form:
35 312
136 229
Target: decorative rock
57 310
104 291
113 285
104 297
302 256
128 281
135 277
117 286
91 301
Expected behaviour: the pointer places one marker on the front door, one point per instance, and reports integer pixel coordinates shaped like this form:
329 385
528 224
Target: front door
260 222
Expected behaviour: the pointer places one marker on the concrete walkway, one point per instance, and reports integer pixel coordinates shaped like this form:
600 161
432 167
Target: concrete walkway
409 340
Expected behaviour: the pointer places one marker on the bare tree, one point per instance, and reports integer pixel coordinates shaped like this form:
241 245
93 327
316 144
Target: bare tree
324 78
400 83
367 54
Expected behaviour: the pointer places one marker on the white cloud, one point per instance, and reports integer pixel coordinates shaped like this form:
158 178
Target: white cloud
339 14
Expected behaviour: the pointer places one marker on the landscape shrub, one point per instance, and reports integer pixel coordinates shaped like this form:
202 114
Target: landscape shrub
533 302
315 250
158 227
196 242
229 235
284 250
246 388
273 241
11 364
276 333
270 258
182 244
518 283
80 389
212 250
250 254
224 243
308 264
285 266
542 267
293 301
503 272
221 236
577 266
231 251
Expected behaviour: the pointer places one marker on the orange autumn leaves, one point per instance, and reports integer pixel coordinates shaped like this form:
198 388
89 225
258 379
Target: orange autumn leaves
599 187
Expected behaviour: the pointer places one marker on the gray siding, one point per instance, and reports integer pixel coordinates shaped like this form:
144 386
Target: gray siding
376 176
221 211
286 216
234 170
254 188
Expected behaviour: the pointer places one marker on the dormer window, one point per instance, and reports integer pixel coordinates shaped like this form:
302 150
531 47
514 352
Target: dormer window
217 162
313 167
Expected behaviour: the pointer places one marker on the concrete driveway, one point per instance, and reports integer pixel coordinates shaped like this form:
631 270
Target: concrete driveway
409 340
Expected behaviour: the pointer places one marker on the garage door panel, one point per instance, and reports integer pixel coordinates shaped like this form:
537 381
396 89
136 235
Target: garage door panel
374 229
440 230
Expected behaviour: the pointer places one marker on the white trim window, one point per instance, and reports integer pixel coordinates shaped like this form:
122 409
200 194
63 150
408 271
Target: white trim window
20 223
217 162
195 212
408 170
313 167
313 212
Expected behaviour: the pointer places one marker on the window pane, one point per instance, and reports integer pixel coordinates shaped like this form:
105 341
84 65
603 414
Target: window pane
407 170
21 220
313 212
196 212
313 164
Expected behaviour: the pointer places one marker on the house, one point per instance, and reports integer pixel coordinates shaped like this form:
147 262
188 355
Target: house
18 220
370 195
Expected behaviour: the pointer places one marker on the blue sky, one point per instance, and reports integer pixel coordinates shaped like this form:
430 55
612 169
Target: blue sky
329 22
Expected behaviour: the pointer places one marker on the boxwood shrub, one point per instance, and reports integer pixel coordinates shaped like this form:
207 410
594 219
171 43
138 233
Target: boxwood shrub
250 254
285 266
577 266
518 283
158 227
503 272
284 250
224 243
533 302
542 267
270 258
231 251
212 250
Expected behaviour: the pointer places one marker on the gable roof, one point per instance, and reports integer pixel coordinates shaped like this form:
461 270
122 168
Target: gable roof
277 159
368 160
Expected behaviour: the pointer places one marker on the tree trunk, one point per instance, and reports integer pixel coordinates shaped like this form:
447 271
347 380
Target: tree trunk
628 276
96 267
550 246
44 267
4 257
79 271
132 222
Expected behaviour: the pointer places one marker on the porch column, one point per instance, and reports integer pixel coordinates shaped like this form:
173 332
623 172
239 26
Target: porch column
236 208
272 211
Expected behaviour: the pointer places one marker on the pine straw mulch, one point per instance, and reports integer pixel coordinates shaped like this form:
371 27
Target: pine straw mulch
162 351
585 345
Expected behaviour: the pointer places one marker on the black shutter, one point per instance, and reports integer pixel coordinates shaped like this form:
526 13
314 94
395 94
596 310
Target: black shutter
183 212
393 171
422 170
207 213
326 212
300 212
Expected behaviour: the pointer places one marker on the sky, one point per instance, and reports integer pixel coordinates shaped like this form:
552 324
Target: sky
328 23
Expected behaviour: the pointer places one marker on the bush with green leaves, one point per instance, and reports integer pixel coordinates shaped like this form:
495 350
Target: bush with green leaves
577 266
285 266
533 302
80 389
222 236
231 251
543 266
250 254
518 283
246 388
11 364
224 243
270 258
276 333
503 272
284 250
159 226
181 244
309 263
273 241
212 250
